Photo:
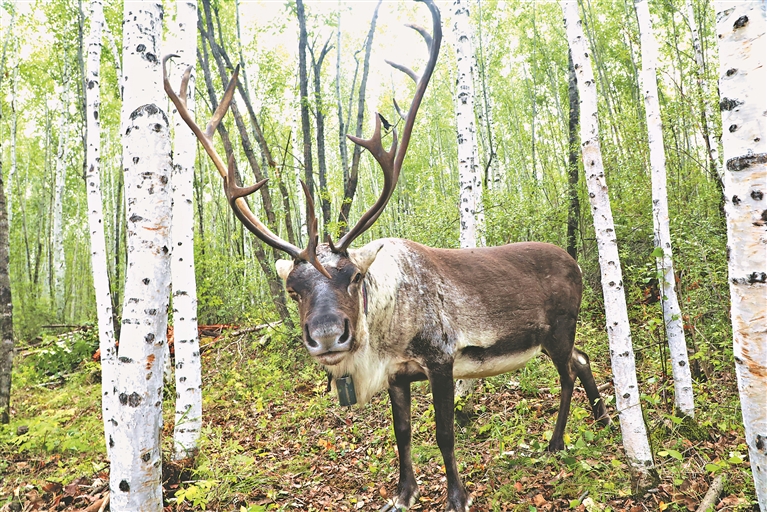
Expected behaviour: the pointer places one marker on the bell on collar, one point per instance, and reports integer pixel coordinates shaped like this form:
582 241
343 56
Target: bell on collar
346 394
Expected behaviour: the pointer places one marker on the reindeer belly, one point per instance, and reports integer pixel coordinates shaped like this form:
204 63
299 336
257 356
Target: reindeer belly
473 361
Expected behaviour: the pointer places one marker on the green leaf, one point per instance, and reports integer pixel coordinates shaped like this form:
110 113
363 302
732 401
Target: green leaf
657 252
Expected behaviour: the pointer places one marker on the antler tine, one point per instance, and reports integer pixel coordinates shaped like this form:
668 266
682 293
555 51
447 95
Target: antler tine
310 253
391 162
234 194
385 159
236 197
424 33
399 67
205 139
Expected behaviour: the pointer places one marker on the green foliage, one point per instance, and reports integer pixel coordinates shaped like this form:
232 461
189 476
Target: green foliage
61 355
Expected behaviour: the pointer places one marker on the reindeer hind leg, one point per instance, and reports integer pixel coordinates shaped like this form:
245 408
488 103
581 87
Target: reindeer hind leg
582 367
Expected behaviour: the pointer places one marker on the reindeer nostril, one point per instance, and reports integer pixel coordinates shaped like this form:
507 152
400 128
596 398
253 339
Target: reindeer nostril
347 333
309 341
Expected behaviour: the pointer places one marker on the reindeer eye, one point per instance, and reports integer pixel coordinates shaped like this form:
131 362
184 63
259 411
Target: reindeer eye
357 278
293 295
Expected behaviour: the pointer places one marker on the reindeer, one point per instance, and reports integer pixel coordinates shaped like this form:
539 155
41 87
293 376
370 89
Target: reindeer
395 311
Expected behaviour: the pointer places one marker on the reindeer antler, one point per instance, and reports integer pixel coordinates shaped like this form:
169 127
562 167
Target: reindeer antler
391 161
235 194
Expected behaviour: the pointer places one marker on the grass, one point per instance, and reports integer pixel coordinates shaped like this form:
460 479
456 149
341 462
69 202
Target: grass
274 440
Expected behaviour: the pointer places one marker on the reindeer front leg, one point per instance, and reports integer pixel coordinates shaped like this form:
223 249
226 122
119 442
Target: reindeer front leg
407 489
443 392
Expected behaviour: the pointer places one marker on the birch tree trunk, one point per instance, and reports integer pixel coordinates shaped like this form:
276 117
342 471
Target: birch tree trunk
12 171
96 216
57 245
740 30
136 468
6 310
672 314
188 372
469 176
632 424
472 215
573 201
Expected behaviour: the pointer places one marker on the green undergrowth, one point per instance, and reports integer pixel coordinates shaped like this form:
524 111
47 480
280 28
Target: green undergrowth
274 439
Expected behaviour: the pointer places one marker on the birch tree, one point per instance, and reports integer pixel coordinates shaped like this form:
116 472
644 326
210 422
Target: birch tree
632 424
672 314
57 244
471 216
740 30
469 176
135 479
96 214
188 372
6 304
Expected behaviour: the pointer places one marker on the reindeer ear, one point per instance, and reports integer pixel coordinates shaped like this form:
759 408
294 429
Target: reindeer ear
284 268
365 256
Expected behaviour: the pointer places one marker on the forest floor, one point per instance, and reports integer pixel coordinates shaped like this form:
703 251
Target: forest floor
274 439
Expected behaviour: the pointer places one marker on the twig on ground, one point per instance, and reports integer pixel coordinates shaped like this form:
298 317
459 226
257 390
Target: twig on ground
712 496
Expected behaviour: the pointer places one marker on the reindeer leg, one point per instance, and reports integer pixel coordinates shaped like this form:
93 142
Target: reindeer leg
407 489
567 380
443 391
559 347
582 368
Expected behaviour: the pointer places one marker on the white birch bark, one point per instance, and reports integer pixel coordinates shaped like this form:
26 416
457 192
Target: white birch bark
632 424
472 215
62 153
740 31
136 466
188 372
672 313
96 216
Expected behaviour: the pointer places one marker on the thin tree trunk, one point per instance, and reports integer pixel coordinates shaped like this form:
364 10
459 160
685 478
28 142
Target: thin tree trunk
740 30
705 94
96 217
635 441
339 105
136 466
57 245
188 374
574 204
320 122
12 171
116 56
491 173
672 314
303 83
119 204
350 186
6 310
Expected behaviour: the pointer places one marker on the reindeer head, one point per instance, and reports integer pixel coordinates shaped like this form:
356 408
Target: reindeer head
326 280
